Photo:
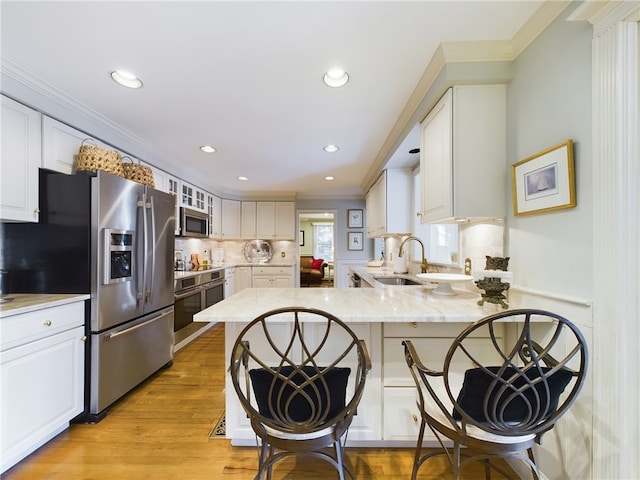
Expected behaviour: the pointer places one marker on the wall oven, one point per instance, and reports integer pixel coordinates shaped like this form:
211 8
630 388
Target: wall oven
195 293
193 223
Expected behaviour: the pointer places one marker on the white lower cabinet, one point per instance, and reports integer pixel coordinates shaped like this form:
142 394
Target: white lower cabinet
42 377
366 426
272 277
404 424
388 414
401 421
229 281
242 279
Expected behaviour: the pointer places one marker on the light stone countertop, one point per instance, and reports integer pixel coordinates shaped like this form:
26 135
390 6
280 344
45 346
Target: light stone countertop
178 274
30 302
395 304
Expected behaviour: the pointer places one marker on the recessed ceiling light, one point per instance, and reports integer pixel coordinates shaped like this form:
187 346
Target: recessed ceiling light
207 149
336 77
331 148
126 79
329 178
244 179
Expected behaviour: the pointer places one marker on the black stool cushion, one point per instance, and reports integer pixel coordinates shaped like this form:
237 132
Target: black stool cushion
302 408
515 409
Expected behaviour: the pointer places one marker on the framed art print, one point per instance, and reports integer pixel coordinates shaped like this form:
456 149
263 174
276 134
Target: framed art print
354 219
355 241
545 181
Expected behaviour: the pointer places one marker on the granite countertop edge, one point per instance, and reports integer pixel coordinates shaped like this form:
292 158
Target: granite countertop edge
368 305
31 302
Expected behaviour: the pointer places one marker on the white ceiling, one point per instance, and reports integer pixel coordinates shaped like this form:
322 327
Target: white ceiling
246 77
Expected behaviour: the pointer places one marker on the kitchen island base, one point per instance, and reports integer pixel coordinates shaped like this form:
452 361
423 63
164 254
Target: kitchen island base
388 415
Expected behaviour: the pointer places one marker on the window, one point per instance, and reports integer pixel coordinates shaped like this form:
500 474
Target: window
323 241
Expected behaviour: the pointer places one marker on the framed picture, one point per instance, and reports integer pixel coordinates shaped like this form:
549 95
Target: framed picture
355 241
301 238
354 219
545 181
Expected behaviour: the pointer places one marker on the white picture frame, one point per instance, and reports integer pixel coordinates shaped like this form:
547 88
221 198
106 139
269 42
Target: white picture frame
355 218
355 241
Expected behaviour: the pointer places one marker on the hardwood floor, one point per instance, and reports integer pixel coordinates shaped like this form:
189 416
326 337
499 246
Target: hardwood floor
161 431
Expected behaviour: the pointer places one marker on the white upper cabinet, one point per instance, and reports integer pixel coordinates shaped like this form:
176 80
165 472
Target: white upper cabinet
275 220
463 155
21 158
169 184
214 209
389 203
230 219
192 197
248 219
60 145
162 180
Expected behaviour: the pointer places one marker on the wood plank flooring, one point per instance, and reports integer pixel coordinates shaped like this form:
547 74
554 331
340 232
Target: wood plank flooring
160 431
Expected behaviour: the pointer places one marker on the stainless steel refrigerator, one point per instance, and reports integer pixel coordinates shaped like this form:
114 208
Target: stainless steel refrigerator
112 238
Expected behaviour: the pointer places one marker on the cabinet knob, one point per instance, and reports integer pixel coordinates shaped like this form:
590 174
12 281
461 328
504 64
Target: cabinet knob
83 338
36 210
415 418
47 323
414 324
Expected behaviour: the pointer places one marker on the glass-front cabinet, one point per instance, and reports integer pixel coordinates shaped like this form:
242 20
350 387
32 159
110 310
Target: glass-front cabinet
192 197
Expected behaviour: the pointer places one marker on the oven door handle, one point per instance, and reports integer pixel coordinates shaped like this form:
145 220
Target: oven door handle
187 293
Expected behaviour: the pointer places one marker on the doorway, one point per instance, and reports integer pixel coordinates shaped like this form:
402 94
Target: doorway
316 241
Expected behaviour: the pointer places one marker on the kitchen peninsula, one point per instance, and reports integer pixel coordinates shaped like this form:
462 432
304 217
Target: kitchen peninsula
382 317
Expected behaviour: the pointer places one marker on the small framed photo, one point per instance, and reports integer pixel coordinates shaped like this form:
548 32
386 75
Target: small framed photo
354 219
301 238
355 241
545 181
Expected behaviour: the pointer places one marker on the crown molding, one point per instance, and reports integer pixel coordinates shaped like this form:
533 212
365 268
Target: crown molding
21 84
603 14
459 52
541 19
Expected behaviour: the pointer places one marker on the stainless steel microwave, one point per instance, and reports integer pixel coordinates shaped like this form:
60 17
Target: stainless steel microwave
193 223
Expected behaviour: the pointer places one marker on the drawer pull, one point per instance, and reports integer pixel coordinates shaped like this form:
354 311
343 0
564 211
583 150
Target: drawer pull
47 323
415 418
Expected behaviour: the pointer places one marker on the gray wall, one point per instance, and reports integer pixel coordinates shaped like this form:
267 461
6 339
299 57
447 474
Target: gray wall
549 101
341 206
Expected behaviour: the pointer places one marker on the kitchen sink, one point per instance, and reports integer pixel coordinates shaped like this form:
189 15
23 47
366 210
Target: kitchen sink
396 281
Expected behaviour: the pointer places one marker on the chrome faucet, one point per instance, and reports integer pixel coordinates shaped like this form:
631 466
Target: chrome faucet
424 265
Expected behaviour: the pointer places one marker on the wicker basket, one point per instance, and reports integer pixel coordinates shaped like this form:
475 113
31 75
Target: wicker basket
93 158
138 173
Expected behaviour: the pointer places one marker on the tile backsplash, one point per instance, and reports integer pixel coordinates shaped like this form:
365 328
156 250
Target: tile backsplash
233 249
479 240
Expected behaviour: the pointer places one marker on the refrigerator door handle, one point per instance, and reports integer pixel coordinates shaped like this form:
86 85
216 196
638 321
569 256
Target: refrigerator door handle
129 330
141 252
153 247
